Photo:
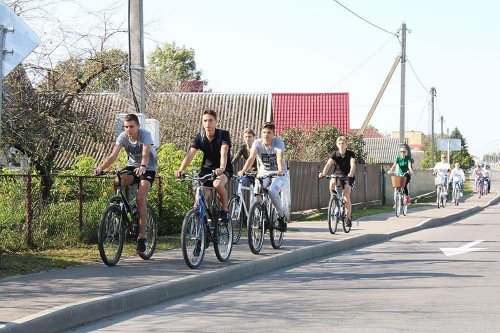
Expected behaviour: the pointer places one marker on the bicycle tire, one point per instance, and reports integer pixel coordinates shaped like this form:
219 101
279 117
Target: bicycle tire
344 225
192 243
404 205
256 228
443 200
237 217
398 203
333 217
111 235
275 235
438 196
223 242
456 196
151 234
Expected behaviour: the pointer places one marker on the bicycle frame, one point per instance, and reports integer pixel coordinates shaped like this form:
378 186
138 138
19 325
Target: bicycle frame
239 193
206 212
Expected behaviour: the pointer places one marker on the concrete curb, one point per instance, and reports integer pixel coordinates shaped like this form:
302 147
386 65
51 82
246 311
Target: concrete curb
74 314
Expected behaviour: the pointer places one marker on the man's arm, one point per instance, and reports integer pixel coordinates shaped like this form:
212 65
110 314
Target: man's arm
327 167
238 155
279 159
186 161
353 167
223 158
249 162
146 149
109 160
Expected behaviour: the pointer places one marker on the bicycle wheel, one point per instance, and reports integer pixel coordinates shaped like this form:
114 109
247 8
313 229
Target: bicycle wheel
223 243
193 239
438 196
404 205
234 209
275 234
344 226
443 199
151 234
479 190
456 196
256 227
398 203
333 214
111 235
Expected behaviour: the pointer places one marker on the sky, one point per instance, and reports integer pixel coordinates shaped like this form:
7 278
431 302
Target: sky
319 46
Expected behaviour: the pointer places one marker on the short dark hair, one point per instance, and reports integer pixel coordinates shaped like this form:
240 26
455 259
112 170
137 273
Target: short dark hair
210 112
249 131
132 117
268 125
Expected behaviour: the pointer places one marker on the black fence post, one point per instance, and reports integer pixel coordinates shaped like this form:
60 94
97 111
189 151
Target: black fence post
80 205
29 213
160 203
382 179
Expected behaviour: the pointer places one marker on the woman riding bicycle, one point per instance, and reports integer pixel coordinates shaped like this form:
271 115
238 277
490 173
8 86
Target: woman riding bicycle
403 163
457 177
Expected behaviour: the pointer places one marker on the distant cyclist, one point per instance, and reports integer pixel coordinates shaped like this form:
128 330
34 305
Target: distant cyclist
478 174
487 177
345 165
442 171
403 163
457 177
244 152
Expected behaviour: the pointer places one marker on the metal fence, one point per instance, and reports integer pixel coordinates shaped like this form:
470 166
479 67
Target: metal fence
70 211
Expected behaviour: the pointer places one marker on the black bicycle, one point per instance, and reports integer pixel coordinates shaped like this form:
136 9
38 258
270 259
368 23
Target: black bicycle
203 225
263 217
336 205
120 222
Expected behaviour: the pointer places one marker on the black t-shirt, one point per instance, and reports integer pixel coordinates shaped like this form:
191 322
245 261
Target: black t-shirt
343 164
211 149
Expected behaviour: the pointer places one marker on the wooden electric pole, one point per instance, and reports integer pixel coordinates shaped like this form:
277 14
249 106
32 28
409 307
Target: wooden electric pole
136 54
403 83
433 94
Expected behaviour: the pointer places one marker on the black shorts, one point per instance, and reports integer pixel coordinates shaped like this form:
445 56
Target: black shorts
209 183
148 175
348 180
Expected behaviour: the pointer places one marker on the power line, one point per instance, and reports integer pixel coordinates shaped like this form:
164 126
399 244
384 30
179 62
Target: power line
370 23
416 76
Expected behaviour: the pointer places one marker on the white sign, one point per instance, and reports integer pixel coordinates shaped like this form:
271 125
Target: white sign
452 251
451 144
21 41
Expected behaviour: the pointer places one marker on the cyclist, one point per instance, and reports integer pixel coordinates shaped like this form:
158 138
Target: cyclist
478 174
345 166
487 177
404 164
457 176
244 152
142 160
215 143
442 171
269 151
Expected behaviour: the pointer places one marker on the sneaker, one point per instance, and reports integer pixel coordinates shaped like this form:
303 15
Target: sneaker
461 194
197 248
408 200
282 226
141 245
348 222
225 217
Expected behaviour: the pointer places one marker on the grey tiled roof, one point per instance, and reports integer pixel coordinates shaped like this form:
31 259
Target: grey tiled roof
381 150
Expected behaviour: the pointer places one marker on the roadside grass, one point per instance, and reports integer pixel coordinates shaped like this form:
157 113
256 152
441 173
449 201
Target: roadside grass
29 262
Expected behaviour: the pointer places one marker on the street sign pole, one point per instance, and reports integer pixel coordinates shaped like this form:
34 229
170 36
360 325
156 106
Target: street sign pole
2 32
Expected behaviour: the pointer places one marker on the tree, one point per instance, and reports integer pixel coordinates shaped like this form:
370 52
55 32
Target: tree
38 116
169 65
463 157
317 144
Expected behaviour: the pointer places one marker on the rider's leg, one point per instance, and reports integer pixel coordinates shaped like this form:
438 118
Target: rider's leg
220 188
274 191
347 197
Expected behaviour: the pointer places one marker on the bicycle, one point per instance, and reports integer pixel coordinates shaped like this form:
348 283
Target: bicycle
239 212
336 206
480 187
441 191
398 183
457 191
202 225
263 217
120 221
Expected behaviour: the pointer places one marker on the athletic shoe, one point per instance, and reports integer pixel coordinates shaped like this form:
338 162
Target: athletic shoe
348 222
141 245
224 217
197 248
282 226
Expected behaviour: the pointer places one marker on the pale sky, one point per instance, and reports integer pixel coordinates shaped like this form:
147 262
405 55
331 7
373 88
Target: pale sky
318 46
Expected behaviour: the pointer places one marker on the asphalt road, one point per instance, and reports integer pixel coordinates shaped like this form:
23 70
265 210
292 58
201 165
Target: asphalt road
404 285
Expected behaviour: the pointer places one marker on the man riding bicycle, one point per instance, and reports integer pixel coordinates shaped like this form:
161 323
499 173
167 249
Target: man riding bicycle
142 160
457 177
269 151
345 166
442 171
215 143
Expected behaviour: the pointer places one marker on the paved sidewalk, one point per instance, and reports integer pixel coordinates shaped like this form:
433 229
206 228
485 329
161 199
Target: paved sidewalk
60 299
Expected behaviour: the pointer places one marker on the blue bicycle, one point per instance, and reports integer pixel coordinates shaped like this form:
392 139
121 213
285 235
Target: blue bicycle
203 225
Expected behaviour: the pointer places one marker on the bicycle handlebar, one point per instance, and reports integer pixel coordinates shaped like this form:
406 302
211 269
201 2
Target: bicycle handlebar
116 172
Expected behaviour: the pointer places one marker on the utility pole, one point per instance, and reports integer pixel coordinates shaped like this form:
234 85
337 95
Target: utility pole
2 32
136 54
403 83
433 94
442 121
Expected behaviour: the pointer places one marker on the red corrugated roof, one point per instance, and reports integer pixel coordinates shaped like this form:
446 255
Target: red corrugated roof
309 109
